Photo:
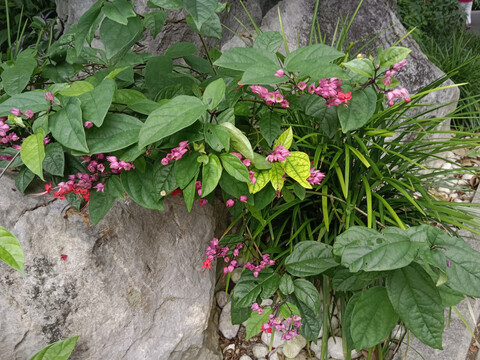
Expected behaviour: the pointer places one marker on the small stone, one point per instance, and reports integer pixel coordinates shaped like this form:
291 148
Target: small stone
334 323
236 274
335 349
398 332
245 357
225 323
467 177
444 190
229 347
221 298
273 355
267 302
447 166
259 350
277 341
316 348
292 347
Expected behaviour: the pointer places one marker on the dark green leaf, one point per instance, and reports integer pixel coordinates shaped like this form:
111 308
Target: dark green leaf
344 280
235 167
84 25
181 49
269 40
307 294
33 100
118 38
240 314
212 171
270 126
154 21
141 187
54 162
98 205
200 10
305 58
114 187
23 179
270 286
16 77
118 11
167 4
312 323
95 103
286 284
164 178
310 258
347 320
233 187
189 194
358 111
249 287
186 169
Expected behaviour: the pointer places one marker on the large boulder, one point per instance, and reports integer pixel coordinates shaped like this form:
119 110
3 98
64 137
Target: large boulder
131 287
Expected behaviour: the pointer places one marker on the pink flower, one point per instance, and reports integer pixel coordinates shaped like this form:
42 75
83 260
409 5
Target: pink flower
279 73
46 140
399 65
29 113
238 155
316 177
302 85
230 203
99 187
280 153
247 162
49 96
243 198
253 179
312 88
16 112
101 168
88 124
202 202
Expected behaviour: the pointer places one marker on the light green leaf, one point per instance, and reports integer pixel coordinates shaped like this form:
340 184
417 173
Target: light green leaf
214 93
373 318
200 10
285 139
33 100
144 106
118 11
255 322
269 40
358 111
99 205
263 178
167 4
67 127
260 162
362 67
417 301
171 117
95 104
54 162
245 59
297 166
59 350
180 49
77 88
212 171
238 141
305 58
217 137
393 55
33 153
23 179
10 250
117 132
235 167
118 38
310 258
154 21
307 294
85 24
16 77
277 175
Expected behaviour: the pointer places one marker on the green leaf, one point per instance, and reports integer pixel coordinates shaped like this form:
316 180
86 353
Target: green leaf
373 318
154 21
167 4
164 178
269 40
277 176
59 350
10 250
41 123
33 153
260 162
270 286
54 162
249 287
233 187
285 139
212 171
286 284
186 169
157 69
240 314
297 166
449 297
358 111
245 59
238 141
263 178
307 294
169 118
118 38
393 55
235 167
77 88
95 104
200 10
16 77
417 301
366 249
99 205
344 280
33 100
312 323
23 179
144 106
141 187
180 49
118 11
270 126
255 322
214 93
347 320
305 58
217 137
212 27
67 128
84 25
114 187
189 194
117 132
362 67
299 191
310 258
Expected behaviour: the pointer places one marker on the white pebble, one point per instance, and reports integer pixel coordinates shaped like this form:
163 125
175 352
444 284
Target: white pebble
335 349
398 332
277 341
245 357
221 298
444 190
236 274
292 347
225 322
467 176
267 302
259 350
229 347
447 166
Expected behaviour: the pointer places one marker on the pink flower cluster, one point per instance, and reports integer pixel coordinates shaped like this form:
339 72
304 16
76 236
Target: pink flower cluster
397 93
198 187
280 153
231 202
176 153
263 263
389 73
289 327
316 177
215 251
117 166
273 97
4 137
329 89
79 184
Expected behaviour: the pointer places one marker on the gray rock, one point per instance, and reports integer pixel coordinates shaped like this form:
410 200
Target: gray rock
292 347
335 349
225 324
132 287
245 357
277 341
259 350
236 275
221 297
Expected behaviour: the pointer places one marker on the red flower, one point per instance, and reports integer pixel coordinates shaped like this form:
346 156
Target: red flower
64 257
207 264
48 188
176 191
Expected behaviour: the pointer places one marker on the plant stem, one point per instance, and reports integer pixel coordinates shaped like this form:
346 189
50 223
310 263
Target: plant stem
10 163
8 27
208 55
325 291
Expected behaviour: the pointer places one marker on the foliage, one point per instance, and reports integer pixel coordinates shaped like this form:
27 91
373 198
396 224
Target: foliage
320 158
